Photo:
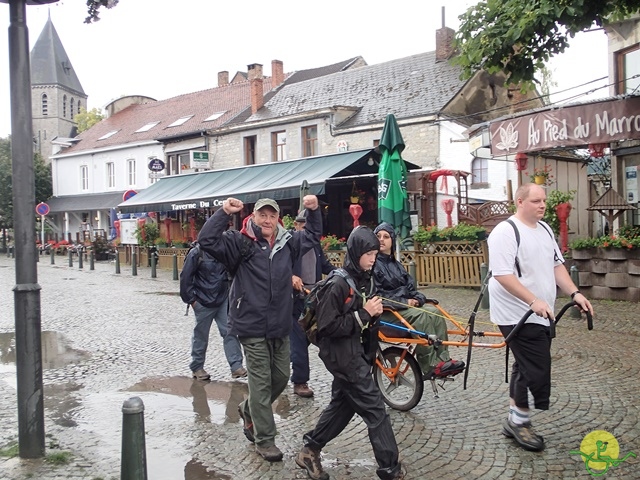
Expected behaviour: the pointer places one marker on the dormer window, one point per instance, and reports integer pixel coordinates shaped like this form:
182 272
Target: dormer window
215 116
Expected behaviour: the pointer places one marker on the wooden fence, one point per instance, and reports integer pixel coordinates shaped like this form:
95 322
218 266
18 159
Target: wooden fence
452 264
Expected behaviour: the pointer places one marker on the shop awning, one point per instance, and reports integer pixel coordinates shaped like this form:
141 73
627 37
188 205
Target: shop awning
84 203
278 180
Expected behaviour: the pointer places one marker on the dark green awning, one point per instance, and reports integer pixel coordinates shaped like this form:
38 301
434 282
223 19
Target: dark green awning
84 203
278 180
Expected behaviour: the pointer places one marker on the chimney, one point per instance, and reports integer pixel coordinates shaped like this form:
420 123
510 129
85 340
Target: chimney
223 78
257 95
254 71
277 73
444 41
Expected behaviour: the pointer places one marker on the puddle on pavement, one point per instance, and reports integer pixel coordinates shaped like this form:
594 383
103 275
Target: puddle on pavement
56 351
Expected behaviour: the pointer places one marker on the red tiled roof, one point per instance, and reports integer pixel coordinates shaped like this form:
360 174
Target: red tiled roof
231 99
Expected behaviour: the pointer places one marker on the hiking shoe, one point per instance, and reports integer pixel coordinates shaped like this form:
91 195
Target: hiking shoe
302 390
524 435
247 426
270 453
239 373
309 459
201 374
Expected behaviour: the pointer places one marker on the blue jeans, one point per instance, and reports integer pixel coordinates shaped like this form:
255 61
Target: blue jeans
200 338
299 346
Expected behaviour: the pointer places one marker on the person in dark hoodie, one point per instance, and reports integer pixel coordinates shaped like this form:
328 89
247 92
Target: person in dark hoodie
261 257
398 292
342 339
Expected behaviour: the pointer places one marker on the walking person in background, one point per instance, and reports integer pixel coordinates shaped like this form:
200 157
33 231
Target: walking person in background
204 285
346 356
398 292
307 272
262 256
525 274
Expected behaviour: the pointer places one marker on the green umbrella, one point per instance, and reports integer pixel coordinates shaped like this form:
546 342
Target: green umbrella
393 202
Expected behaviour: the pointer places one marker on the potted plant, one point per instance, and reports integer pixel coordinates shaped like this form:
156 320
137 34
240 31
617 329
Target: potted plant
331 242
555 198
541 175
425 235
100 247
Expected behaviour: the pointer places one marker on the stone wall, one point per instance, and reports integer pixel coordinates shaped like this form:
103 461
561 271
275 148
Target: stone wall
609 273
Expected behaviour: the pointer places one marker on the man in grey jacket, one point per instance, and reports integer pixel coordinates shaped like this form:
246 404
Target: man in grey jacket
262 255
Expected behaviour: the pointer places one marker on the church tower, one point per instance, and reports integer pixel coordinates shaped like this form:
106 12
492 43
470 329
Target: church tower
56 93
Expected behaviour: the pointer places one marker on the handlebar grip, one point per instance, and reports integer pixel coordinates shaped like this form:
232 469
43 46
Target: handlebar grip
518 326
589 320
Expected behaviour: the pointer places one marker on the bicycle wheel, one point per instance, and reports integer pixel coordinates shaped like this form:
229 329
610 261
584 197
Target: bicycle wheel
405 390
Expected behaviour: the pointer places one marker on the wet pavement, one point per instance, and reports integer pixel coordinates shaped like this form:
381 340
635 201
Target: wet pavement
109 337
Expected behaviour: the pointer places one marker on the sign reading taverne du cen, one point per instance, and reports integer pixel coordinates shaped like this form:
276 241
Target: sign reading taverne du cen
576 125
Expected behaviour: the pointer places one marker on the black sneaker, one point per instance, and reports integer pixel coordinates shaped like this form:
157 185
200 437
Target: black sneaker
247 426
524 435
309 459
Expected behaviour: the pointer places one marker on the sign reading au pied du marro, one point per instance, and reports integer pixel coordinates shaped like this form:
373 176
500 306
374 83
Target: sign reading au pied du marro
576 125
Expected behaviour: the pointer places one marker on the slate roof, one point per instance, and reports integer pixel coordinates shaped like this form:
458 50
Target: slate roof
50 64
232 99
407 87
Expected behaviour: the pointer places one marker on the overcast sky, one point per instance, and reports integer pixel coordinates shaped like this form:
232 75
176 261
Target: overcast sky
164 48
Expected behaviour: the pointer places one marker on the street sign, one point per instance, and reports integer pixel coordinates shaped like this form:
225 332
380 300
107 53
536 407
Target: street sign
156 165
42 209
128 194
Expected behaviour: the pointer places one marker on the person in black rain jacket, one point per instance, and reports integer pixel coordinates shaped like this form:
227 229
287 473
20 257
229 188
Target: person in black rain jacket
346 357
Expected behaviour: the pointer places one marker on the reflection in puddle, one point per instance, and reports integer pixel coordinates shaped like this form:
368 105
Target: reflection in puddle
196 471
56 352
213 402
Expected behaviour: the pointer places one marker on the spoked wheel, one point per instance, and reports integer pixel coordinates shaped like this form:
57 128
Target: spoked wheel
404 390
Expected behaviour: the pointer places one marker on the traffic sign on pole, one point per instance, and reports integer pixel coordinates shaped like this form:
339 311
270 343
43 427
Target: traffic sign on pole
42 209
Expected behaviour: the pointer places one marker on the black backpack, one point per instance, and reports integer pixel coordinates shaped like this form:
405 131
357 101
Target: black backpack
308 320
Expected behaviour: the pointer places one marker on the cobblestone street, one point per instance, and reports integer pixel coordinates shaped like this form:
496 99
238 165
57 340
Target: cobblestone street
109 337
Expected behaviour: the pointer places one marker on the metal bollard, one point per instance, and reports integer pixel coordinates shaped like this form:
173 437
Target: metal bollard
117 262
484 271
80 258
134 263
412 269
70 258
92 261
175 266
153 266
133 464
53 256
575 276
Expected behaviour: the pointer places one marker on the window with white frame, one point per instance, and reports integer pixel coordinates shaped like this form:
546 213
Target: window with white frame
131 172
84 177
45 105
111 175
64 106
480 171
71 107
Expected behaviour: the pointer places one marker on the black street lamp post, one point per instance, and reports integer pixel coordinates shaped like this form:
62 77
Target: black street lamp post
27 290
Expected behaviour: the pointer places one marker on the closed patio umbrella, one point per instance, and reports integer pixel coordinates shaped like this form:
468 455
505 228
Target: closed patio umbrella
393 202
